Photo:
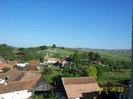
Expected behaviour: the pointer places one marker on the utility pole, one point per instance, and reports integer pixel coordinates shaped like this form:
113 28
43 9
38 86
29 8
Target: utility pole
131 89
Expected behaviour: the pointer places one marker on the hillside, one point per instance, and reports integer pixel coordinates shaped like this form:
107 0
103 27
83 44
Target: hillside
114 54
120 52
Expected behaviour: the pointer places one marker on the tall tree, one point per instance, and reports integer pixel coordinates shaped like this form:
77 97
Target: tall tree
91 56
54 46
92 71
76 58
97 57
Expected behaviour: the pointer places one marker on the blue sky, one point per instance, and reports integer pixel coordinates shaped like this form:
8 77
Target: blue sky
103 24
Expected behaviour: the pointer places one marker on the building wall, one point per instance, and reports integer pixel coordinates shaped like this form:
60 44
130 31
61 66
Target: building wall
51 61
16 95
41 85
21 64
75 98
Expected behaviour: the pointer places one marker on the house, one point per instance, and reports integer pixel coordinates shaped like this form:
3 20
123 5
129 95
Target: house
21 68
22 84
13 63
44 59
52 60
15 52
63 61
95 63
77 88
20 62
33 64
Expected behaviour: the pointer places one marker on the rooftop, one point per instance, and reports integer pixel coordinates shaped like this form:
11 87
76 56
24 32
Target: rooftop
33 63
74 87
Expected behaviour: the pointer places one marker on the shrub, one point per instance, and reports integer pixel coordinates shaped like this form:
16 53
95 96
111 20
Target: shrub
47 70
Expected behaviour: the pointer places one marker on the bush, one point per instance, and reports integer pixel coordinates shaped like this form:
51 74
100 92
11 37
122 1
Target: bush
35 69
47 70
92 71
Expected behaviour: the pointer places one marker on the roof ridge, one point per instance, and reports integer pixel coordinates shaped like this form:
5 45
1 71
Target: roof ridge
79 77
16 82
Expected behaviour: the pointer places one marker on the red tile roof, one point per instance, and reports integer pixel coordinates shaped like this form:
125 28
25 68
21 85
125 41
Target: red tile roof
29 79
33 63
62 59
15 86
74 87
12 74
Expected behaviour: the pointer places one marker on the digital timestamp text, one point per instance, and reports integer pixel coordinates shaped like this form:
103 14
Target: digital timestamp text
111 89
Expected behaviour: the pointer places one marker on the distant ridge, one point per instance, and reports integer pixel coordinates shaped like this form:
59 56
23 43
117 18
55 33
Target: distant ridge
120 52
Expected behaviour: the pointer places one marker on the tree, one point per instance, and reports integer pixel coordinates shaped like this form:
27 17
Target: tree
76 58
54 46
97 57
7 52
35 69
52 95
91 56
6 69
47 71
92 71
84 55
43 47
66 68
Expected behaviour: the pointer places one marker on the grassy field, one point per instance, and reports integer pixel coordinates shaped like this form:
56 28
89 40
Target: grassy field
115 77
103 54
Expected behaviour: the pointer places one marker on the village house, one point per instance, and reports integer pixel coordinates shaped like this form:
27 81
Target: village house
20 63
95 63
15 52
52 60
33 64
22 84
4 64
63 61
77 88
47 59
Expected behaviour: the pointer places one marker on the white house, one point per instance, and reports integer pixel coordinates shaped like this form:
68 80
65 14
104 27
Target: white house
22 64
22 84
15 90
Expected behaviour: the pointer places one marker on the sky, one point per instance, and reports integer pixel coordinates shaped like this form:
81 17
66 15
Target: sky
102 24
